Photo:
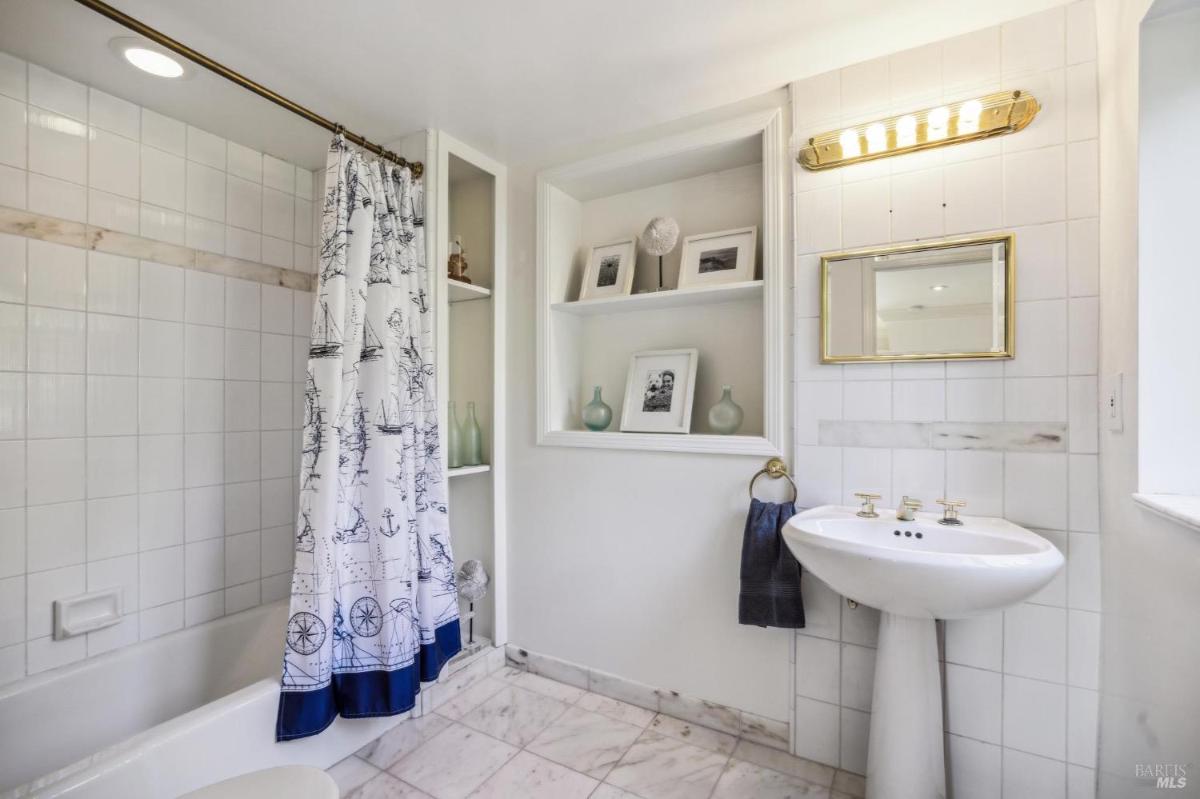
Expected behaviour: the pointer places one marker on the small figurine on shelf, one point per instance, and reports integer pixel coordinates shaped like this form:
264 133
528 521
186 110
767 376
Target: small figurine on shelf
659 238
458 262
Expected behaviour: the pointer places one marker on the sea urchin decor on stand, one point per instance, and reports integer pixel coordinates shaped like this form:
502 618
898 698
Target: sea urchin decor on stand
472 581
659 238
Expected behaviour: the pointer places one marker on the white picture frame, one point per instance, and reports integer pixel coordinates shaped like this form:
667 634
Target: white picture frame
659 389
713 259
609 271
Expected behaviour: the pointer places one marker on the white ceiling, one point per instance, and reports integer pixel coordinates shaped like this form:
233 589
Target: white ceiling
520 79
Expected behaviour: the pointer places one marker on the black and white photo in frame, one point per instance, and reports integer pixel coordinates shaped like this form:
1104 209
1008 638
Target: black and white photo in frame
711 259
609 271
659 390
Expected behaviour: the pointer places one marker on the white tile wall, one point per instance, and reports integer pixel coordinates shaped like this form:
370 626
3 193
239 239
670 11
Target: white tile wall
143 444
73 152
1020 685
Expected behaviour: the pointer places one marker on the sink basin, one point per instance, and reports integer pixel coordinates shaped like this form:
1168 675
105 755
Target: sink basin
916 572
921 568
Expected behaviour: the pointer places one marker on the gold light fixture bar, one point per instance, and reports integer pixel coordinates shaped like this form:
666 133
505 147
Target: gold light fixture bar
175 46
954 123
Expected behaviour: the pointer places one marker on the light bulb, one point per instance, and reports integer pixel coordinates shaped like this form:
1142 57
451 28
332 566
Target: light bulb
876 138
850 145
153 62
906 131
938 124
968 116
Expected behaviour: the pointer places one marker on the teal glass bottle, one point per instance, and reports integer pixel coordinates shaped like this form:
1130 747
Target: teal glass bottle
472 439
453 438
596 414
726 416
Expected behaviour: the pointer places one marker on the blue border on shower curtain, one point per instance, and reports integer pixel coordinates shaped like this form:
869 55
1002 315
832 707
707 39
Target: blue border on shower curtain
365 694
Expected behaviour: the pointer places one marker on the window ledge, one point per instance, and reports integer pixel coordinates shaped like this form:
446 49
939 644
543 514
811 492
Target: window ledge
1181 508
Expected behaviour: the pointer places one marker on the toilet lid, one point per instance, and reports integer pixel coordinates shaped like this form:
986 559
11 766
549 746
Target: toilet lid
293 782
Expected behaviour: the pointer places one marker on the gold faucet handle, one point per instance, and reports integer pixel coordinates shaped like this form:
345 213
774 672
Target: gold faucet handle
868 504
914 504
950 510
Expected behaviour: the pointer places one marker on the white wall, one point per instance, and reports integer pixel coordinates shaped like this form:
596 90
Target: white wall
148 413
1021 686
1151 640
1169 283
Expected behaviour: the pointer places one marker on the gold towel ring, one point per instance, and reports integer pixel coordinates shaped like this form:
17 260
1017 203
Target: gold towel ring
774 469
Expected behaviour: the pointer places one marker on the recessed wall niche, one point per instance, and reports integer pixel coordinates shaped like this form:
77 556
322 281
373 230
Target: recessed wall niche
722 177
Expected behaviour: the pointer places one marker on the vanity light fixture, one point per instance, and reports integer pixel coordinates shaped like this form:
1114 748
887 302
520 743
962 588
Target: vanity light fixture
953 123
146 57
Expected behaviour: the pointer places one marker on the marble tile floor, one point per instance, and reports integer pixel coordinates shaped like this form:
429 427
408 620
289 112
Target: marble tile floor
518 735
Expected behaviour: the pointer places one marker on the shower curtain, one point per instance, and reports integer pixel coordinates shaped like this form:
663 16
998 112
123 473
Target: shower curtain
374 610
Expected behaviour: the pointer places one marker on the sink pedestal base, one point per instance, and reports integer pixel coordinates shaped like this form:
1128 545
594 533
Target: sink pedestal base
905 757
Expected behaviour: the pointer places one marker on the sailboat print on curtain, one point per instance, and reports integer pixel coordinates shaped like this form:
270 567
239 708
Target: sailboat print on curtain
374 609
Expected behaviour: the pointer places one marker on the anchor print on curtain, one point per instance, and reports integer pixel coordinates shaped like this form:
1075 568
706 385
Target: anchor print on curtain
374 610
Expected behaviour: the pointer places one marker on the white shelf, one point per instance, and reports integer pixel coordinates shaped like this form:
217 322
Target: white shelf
661 442
463 471
657 300
465 292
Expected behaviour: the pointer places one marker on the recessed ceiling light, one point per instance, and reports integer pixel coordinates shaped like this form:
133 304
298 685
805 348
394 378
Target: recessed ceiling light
939 287
147 58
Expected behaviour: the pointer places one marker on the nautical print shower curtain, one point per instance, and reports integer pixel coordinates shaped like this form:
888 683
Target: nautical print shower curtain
374 609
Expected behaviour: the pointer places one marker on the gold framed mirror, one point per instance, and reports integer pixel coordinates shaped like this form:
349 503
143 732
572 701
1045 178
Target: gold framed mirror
925 301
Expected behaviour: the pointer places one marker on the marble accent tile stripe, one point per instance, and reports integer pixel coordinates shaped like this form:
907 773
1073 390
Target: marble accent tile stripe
990 436
702 713
1002 436
92 237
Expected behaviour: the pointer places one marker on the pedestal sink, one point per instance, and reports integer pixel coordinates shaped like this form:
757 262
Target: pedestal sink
915 572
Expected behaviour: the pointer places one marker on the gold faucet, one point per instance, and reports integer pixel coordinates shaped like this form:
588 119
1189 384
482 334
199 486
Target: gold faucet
868 505
906 509
950 511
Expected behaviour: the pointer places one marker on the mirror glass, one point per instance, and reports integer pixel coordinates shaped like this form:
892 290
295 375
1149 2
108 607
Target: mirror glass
921 302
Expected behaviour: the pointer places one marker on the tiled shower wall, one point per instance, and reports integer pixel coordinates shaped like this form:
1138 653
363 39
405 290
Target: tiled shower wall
1021 685
73 152
149 413
149 419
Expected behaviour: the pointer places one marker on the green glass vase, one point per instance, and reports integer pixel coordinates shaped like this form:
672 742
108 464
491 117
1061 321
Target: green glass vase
472 439
453 438
596 414
726 416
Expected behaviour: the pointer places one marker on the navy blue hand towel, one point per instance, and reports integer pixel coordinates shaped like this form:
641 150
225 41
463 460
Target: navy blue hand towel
770 595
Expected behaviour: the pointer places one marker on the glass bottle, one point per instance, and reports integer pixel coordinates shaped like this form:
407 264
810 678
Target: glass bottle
454 438
726 416
596 414
472 439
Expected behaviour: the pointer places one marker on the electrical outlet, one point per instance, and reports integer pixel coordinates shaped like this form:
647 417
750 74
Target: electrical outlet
1112 403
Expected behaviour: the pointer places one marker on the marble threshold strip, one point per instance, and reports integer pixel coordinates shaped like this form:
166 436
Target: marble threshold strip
91 237
731 720
990 436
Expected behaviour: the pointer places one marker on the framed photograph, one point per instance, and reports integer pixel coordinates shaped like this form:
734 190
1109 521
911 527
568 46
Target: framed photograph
659 391
710 259
609 270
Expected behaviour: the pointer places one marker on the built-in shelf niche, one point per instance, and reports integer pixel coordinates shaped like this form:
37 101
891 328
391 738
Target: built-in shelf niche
471 205
725 176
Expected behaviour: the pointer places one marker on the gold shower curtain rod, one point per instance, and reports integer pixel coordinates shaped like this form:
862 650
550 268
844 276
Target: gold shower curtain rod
163 40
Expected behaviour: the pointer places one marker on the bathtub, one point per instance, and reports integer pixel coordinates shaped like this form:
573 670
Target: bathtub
162 717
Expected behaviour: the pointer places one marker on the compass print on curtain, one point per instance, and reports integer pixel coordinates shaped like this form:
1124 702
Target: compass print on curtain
374 609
